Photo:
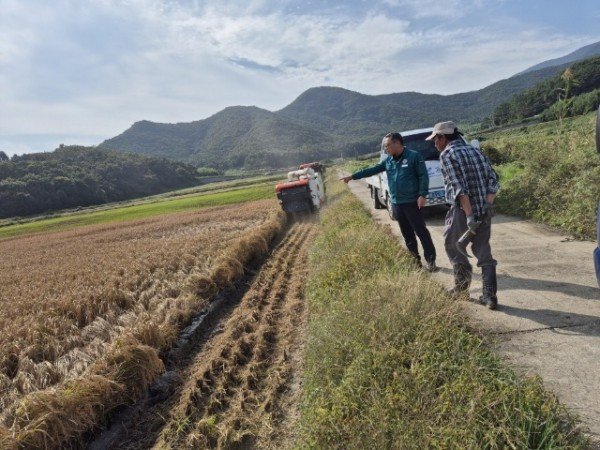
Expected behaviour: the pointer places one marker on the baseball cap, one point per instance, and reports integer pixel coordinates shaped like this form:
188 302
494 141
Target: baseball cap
442 128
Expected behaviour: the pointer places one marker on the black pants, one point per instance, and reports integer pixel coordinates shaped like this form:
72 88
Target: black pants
412 224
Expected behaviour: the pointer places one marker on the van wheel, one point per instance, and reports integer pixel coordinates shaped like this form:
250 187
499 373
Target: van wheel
375 196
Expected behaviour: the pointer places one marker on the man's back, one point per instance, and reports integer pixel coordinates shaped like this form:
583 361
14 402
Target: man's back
467 171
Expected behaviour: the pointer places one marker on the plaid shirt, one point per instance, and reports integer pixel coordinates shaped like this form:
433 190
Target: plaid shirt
467 171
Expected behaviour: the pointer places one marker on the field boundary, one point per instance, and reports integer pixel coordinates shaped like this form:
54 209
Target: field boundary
137 211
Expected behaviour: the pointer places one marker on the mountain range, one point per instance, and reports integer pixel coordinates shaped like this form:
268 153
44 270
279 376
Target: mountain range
323 122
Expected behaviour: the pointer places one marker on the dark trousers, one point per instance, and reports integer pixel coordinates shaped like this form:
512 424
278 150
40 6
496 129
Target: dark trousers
412 224
456 225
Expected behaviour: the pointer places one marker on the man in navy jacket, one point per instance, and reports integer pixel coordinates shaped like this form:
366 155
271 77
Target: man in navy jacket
408 185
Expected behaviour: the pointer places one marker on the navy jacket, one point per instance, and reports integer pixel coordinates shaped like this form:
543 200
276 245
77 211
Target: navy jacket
407 176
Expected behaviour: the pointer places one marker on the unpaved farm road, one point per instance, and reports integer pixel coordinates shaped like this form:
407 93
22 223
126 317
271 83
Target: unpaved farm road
548 319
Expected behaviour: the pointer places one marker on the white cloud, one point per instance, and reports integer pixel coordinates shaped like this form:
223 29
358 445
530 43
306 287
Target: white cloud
443 9
92 67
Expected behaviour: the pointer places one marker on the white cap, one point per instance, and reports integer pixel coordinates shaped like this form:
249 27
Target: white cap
442 128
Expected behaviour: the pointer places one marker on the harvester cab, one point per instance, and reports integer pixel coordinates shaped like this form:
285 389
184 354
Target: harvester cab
304 190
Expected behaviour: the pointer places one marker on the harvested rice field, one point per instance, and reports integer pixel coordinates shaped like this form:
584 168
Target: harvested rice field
241 386
88 315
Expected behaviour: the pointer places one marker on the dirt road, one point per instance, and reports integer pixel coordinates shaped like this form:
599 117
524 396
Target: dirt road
548 320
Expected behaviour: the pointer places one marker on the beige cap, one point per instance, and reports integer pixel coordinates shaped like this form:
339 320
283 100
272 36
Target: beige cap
442 128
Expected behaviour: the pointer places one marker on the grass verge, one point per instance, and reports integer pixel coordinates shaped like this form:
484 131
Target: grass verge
550 172
390 362
136 212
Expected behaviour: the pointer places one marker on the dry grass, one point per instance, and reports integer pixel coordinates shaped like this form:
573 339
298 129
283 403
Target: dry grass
87 313
50 419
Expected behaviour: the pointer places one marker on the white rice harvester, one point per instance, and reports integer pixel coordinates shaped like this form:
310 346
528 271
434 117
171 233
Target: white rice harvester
304 191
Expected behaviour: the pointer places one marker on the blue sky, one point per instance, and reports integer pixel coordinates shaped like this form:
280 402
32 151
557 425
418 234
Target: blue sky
81 71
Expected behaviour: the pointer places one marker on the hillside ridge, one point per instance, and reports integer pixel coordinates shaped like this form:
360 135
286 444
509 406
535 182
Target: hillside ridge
322 122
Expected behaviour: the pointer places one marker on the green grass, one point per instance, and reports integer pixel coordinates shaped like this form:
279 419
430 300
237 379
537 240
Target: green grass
549 172
135 212
353 165
219 186
390 362
223 185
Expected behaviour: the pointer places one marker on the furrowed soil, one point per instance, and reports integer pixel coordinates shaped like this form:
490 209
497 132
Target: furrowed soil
242 387
88 315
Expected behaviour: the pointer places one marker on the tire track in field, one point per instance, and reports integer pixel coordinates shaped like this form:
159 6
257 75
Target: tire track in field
242 388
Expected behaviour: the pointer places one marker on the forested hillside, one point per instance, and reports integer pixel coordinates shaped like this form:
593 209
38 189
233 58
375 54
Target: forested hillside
240 136
570 92
82 176
345 112
323 122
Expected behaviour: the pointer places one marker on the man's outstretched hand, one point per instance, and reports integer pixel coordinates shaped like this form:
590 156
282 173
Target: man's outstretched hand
346 179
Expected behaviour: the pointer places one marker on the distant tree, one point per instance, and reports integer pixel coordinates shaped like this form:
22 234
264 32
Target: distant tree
3 156
486 123
80 176
502 114
564 102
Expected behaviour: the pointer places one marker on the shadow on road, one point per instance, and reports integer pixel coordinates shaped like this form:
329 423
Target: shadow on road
507 282
571 289
582 324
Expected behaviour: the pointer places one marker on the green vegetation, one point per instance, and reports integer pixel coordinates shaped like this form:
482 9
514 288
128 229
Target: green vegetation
135 212
575 106
353 165
553 98
78 176
207 172
241 136
213 187
391 364
225 185
549 172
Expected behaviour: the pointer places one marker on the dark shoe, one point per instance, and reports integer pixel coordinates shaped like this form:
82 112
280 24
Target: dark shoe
430 266
416 259
489 302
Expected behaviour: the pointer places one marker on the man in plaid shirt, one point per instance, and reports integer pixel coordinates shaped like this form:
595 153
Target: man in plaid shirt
471 186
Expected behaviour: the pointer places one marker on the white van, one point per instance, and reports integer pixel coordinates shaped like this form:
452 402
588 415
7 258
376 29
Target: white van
414 140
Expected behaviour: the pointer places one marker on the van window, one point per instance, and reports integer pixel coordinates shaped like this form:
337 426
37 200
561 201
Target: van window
418 143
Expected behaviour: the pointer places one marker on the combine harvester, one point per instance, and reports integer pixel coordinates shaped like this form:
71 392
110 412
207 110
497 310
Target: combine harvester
304 190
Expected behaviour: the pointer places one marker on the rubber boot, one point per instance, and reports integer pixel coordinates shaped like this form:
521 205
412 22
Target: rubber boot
462 280
490 287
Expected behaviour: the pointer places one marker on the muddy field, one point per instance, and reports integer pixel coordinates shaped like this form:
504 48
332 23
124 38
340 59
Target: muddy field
77 307
240 386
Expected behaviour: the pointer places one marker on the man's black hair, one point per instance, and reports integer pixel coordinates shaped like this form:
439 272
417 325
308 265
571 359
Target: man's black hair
397 137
